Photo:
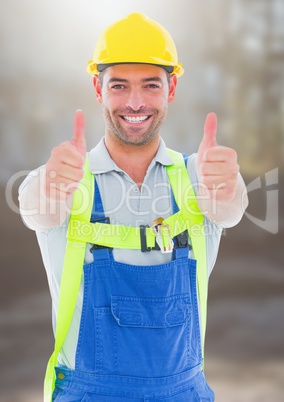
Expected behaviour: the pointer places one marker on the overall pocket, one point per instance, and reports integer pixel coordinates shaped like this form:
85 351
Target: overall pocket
146 337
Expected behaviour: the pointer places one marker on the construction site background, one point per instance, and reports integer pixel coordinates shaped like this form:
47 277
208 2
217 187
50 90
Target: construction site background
233 55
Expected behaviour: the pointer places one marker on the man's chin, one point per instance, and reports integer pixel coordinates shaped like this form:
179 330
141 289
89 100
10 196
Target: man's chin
136 139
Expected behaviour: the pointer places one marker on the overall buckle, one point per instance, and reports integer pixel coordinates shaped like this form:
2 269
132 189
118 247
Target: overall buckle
103 219
143 240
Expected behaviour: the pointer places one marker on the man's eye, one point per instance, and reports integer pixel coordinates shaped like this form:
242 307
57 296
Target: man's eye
152 86
117 86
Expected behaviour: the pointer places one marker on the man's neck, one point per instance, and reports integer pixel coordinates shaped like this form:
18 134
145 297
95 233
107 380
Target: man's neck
133 159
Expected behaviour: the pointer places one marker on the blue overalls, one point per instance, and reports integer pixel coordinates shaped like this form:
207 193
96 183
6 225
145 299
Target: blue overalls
139 336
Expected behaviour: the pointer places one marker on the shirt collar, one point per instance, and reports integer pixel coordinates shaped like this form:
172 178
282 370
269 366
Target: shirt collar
101 162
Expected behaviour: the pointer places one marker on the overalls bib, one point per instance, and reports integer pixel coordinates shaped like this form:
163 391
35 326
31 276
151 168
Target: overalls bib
139 336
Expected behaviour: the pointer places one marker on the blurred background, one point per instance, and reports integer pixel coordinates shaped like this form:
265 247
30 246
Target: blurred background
233 56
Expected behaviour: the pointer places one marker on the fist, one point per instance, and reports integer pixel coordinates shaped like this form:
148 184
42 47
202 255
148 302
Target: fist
64 169
217 167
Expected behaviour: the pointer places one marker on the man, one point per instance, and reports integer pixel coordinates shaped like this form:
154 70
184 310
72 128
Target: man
131 327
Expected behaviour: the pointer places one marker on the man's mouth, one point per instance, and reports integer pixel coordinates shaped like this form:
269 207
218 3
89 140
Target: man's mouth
136 119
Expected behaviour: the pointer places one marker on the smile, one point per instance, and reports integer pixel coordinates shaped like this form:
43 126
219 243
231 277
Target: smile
135 119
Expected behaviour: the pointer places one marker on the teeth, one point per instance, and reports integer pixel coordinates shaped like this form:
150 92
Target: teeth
137 119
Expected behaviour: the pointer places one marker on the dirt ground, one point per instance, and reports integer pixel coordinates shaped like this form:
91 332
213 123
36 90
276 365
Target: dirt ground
245 332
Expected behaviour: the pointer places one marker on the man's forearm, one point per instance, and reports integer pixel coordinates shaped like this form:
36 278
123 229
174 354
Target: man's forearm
38 211
226 214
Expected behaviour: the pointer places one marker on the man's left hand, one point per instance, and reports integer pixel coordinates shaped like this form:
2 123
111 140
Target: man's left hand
217 167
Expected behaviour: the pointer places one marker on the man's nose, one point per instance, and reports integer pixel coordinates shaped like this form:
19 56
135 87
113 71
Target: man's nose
135 100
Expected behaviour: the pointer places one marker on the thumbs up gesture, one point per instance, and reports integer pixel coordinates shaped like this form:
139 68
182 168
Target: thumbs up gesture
64 169
217 167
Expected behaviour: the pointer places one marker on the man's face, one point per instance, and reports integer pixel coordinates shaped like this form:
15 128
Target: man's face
135 101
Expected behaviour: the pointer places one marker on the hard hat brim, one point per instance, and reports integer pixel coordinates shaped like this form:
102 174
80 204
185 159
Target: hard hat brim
94 68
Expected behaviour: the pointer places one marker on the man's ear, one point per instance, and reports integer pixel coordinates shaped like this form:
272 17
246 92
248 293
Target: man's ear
98 89
172 90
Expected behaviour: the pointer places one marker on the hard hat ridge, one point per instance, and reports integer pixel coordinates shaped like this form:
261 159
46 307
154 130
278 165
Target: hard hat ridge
135 39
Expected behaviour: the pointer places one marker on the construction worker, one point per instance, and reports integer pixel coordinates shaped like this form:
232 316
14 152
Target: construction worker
129 233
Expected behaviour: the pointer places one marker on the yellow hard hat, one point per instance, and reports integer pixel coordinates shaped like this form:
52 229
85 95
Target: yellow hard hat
135 39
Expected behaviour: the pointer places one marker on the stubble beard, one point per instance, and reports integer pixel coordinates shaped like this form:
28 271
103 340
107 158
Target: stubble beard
135 136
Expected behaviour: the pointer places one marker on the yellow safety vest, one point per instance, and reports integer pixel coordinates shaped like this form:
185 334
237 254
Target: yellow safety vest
81 231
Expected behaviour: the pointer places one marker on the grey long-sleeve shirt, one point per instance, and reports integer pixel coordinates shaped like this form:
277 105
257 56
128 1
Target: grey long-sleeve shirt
125 204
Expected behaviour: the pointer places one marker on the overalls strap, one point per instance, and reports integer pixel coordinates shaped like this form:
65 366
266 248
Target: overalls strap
186 200
71 276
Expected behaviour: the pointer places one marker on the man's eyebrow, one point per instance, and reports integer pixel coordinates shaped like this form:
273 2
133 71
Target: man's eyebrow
148 79
157 79
114 79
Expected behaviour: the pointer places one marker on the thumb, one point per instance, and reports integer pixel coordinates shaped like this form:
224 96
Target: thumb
78 139
209 136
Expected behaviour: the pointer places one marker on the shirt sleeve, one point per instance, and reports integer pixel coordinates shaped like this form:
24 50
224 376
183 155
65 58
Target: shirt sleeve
37 211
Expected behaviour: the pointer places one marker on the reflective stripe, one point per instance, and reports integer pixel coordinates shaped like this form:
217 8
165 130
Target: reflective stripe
110 235
186 201
70 280
81 231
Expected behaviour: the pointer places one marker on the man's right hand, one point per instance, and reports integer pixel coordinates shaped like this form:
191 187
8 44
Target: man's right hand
64 169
